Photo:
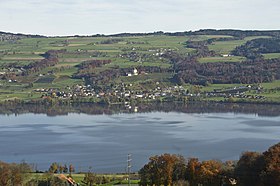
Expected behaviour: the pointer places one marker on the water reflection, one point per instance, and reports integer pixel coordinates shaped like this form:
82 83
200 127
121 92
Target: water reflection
103 141
97 109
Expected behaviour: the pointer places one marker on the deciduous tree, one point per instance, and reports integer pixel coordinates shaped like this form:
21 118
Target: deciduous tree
271 173
249 168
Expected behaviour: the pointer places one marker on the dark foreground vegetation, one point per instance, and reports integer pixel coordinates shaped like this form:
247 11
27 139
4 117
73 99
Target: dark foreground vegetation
253 168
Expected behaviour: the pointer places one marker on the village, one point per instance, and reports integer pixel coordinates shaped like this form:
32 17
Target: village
126 92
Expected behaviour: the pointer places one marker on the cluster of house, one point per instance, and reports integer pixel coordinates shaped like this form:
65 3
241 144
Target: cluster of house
9 37
248 96
134 55
126 92
226 55
123 91
70 92
10 70
150 94
237 92
160 51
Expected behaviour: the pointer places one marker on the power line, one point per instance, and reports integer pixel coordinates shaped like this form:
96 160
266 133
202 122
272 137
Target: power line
129 167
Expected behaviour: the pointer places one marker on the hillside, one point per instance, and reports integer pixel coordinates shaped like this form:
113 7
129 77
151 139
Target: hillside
213 65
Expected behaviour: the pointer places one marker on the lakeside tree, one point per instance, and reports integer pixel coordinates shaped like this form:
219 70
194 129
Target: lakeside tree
253 168
271 172
249 168
60 168
65 168
71 169
13 174
5 173
54 168
209 172
163 170
192 172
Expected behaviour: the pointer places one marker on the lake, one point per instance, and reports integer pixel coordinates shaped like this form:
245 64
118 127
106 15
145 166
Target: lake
103 141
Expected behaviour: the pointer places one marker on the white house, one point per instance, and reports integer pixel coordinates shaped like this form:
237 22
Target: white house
135 72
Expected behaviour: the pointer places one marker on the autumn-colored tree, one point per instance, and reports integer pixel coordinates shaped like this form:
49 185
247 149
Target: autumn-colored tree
71 169
209 172
17 175
167 164
180 169
193 168
13 174
161 170
5 173
54 168
249 168
271 173
60 168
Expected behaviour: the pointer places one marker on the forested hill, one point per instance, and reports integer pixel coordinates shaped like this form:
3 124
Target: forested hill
231 32
236 33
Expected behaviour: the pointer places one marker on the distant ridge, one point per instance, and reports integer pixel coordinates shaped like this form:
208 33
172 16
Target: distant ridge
20 34
231 32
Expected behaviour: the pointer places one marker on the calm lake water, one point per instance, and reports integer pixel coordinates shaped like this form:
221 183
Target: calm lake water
103 141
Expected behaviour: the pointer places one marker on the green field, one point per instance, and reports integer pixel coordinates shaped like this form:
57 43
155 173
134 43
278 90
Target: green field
271 55
225 47
269 90
221 59
114 179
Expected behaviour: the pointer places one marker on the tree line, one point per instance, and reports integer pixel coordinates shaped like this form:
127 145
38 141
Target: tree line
257 169
255 48
14 174
231 32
